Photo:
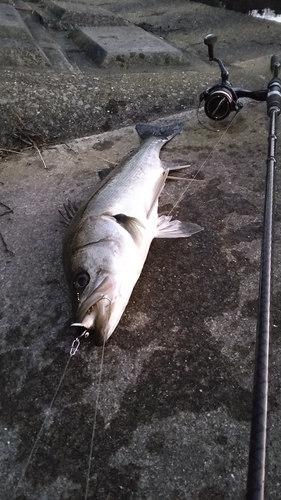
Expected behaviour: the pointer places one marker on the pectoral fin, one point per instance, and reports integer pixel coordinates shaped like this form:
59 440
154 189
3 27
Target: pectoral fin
167 228
131 224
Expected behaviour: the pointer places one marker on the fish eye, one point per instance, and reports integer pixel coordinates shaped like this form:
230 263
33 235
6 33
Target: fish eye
81 280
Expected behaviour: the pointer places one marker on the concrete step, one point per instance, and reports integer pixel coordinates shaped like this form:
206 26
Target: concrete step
64 15
72 37
126 47
17 47
44 39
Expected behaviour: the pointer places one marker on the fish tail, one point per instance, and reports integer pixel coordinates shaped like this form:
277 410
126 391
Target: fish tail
165 132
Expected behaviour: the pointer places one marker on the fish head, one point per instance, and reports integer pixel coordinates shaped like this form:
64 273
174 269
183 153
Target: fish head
100 257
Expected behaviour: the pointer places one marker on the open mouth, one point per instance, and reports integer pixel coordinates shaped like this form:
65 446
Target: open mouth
88 320
95 337
96 316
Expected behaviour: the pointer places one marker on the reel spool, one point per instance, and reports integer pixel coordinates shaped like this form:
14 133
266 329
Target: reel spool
220 101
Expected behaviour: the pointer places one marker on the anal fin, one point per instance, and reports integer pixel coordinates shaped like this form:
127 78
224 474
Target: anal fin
169 166
167 228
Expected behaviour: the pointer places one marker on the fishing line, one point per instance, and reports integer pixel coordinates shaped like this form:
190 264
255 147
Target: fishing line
94 422
73 350
201 167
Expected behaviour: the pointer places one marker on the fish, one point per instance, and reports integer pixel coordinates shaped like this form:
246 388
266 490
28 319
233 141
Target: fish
107 240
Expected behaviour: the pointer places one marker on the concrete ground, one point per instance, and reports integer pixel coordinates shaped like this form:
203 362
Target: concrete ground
174 408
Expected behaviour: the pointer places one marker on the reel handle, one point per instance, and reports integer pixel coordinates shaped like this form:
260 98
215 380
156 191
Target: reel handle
210 41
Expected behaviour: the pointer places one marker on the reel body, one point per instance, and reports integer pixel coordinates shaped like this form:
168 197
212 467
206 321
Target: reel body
220 101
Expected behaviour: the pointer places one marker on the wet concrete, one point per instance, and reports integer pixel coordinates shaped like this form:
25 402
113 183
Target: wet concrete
175 397
173 415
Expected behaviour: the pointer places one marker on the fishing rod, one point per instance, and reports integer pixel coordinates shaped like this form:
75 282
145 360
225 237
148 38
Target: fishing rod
219 101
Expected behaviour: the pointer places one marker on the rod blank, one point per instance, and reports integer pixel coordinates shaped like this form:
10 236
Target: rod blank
257 452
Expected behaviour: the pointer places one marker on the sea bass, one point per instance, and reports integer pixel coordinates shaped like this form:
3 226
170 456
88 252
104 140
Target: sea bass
108 238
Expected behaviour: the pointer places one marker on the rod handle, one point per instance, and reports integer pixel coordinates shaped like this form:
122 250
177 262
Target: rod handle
274 96
274 87
275 61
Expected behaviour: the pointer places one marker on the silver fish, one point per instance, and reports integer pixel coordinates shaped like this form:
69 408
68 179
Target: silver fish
108 238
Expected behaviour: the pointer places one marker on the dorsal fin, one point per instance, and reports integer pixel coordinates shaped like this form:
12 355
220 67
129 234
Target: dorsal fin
69 210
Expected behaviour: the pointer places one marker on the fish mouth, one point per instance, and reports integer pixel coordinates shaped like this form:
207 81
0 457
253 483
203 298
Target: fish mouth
95 320
93 313
95 337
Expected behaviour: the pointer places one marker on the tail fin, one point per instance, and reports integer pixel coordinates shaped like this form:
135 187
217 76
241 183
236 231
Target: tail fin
166 132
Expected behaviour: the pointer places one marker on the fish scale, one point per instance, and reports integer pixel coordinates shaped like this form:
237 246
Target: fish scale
144 167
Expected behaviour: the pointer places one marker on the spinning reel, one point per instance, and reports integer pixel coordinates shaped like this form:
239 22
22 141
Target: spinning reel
222 99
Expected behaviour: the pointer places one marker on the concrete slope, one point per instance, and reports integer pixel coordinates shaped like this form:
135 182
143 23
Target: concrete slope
174 399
